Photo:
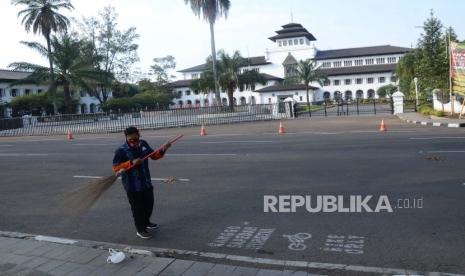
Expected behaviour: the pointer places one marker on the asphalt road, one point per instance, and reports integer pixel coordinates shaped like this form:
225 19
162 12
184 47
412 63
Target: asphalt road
221 206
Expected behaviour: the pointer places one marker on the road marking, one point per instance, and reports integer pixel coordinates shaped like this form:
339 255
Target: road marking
108 144
225 142
345 244
153 178
201 154
54 240
6 145
297 241
435 138
22 154
247 237
446 151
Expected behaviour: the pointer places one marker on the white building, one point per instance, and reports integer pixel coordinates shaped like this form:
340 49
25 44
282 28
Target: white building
8 92
352 73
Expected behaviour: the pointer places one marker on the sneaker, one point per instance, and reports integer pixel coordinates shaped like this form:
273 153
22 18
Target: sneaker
144 235
152 226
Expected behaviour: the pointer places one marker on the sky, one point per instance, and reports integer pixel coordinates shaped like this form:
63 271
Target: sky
168 27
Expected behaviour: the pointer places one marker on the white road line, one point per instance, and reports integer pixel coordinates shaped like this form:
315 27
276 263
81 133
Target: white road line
435 138
153 178
446 151
225 142
110 144
22 154
6 145
201 154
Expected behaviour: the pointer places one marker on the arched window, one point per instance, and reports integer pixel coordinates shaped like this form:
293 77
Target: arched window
180 103
84 109
243 101
371 94
359 94
348 95
253 100
92 108
224 101
337 96
189 102
326 95
234 101
197 102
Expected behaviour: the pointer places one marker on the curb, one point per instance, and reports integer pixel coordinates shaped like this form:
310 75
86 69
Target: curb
224 258
436 124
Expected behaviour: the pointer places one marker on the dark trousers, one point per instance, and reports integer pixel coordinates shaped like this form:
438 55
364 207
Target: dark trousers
141 207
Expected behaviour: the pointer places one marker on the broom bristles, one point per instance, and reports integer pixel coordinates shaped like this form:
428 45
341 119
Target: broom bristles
81 199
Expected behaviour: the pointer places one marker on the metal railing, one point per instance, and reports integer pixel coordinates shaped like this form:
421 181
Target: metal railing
345 108
148 119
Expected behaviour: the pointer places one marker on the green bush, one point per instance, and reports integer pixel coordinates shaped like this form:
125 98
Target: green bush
149 100
427 109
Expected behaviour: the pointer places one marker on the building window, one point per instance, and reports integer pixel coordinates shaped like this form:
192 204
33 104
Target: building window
188 92
392 59
296 41
284 42
369 61
326 83
337 82
290 42
179 94
301 41
359 81
1 92
336 64
300 98
393 79
195 76
326 65
347 81
381 79
14 92
39 91
347 62
307 42
358 62
380 60
27 91
269 100
280 43
196 92
370 80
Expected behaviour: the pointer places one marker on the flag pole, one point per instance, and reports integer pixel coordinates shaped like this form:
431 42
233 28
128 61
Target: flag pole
450 76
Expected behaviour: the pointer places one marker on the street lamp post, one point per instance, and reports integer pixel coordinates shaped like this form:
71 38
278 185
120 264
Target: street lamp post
416 90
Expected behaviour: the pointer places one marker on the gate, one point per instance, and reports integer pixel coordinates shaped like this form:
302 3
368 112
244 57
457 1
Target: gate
346 108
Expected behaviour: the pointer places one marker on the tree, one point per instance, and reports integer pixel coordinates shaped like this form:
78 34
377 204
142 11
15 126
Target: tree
43 17
113 51
160 69
37 104
230 75
386 90
306 72
405 73
72 67
210 10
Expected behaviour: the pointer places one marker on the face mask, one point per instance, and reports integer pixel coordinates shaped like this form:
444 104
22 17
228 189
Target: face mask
133 142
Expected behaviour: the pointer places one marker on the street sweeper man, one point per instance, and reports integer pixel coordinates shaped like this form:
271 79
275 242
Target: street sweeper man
137 181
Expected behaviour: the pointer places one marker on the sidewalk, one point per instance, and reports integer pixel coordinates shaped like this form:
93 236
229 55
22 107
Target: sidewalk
416 118
42 256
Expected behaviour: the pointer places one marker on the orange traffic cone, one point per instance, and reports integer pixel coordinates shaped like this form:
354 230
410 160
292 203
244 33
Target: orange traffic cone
383 126
281 128
203 132
70 135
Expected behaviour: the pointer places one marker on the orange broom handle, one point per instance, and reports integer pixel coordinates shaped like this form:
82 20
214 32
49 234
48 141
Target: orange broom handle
155 151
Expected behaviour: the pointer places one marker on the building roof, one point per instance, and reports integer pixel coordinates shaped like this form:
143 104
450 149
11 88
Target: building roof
354 70
281 87
181 83
9 75
253 61
292 30
362 51
290 59
270 77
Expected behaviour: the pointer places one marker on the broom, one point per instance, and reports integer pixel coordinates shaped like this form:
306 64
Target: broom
81 199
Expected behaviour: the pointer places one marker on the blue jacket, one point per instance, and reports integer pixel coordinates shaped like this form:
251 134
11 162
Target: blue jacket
137 179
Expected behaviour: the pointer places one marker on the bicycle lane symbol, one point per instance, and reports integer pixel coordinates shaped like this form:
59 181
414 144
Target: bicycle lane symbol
297 241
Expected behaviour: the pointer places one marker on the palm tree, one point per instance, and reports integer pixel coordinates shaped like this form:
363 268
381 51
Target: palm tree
306 72
72 67
211 10
230 75
43 17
